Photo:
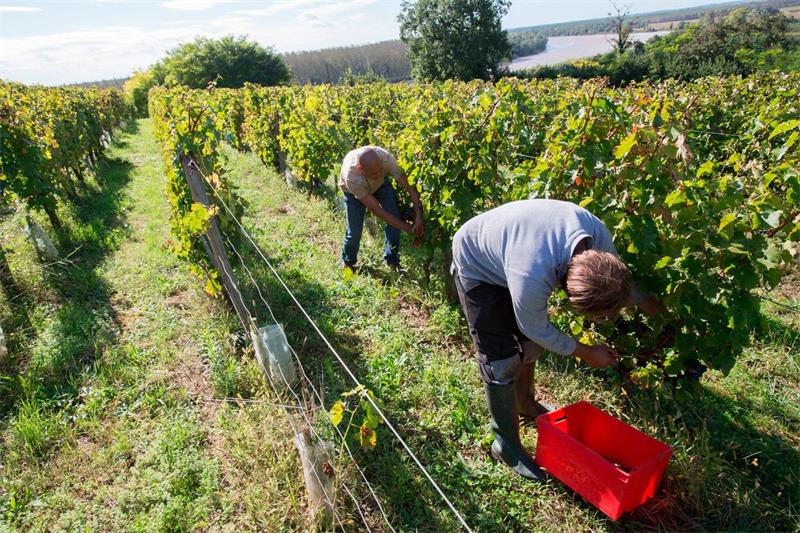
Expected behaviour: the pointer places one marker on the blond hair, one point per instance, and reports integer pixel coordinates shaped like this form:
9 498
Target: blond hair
598 284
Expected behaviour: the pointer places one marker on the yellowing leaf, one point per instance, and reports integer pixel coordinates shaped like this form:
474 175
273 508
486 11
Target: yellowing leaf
783 127
706 169
625 146
347 274
367 437
337 413
212 287
664 261
675 197
726 220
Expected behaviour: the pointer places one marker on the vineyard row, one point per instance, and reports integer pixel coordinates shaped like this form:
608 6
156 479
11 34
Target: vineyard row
49 137
698 181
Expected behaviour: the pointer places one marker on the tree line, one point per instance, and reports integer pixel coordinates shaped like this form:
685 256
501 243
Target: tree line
743 42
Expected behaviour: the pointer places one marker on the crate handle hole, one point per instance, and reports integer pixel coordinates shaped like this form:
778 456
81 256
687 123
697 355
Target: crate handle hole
560 419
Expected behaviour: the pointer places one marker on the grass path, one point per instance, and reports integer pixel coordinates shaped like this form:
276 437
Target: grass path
111 410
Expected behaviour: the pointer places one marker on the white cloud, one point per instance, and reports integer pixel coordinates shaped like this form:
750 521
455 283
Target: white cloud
88 53
232 24
274 8
304 8
336 8
19 9
193 5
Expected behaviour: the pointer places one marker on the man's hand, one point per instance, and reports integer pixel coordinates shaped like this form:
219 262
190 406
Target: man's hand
371 203
596 356
419 227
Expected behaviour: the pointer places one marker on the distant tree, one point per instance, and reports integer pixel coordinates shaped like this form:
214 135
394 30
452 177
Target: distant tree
235 60
136 89
460 39
387 59
526 43
351 78
622 26
742 42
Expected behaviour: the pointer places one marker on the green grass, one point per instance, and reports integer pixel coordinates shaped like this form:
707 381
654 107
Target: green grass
130 403
736 437
111 410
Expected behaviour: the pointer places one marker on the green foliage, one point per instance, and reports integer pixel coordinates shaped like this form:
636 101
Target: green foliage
697 181
353 402
744 42
309 134
701 232
729 45
35 430
186 124
263 107
136 89
230 61
49 136
461 39
349 77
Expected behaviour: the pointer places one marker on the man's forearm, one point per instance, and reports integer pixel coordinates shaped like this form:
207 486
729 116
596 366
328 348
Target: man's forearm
392 220
412 191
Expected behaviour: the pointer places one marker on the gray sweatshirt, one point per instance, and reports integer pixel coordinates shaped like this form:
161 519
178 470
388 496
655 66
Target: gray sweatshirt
527 246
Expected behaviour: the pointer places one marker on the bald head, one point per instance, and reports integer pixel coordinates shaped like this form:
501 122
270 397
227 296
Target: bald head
369 163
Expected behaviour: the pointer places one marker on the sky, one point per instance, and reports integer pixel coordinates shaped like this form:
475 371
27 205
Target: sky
67 41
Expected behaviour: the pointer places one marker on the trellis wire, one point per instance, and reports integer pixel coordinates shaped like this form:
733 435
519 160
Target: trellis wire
300 402
288 415
310 383
339 358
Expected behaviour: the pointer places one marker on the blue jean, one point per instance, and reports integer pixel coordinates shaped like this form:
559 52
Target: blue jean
355 225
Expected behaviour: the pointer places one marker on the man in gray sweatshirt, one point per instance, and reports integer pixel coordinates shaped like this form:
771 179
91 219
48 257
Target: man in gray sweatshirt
506 263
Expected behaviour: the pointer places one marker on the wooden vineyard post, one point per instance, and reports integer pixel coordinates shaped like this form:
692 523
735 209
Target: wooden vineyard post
218 253
273 354
6 277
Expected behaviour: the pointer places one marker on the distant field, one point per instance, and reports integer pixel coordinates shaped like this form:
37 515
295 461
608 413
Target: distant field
791 12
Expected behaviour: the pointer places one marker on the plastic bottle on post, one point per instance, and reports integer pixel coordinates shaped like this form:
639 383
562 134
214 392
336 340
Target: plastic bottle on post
274 355
45 248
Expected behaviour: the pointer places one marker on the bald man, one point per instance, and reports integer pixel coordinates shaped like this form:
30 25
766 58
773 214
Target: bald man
363 182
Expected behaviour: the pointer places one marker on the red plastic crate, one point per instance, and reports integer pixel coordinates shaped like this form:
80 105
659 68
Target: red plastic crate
614 466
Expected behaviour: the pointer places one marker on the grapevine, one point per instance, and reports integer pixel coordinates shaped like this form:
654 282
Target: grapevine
698 181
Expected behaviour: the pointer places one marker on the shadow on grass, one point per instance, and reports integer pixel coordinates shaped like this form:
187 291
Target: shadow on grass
739 477
83 322
407 498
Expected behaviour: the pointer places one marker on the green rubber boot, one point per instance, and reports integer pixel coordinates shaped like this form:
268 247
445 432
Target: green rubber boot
505 426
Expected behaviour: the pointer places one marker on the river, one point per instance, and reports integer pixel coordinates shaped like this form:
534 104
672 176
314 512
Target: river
567 47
